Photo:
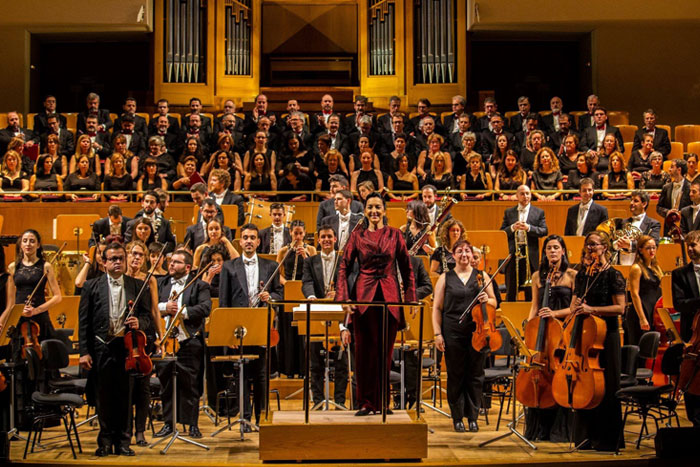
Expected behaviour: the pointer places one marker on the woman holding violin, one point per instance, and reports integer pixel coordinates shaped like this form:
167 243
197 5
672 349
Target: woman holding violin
645 290
600 291
552 287
454 290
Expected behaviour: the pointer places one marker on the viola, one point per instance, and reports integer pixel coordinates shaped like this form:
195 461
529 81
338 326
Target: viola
30 334
689 379
534 383
579 381
137 360
486 336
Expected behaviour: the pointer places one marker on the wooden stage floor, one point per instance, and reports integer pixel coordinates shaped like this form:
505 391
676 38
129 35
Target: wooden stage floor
445 447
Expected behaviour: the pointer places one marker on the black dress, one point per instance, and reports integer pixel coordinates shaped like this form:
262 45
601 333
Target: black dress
8 184
465 365
26 279
639 163
441 183
603 164
412 239
601 426
260 183
401 185
508 182
478 183
443 256
367 175
550 424
652 181
118 184
75 183
617 180
566 164
291 345
649 293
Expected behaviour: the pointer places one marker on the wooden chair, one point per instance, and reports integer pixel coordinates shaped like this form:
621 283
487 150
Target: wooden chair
542 113
669 256
478 114
686 134
628 152
667 166
577 114
627 132
694 147
667 128
396 216
412 114
71 121
676 150
618 117
145 116
30 121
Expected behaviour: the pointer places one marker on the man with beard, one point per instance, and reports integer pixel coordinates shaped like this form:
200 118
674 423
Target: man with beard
161 226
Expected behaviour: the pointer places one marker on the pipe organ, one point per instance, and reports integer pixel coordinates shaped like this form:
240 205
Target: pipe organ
185 45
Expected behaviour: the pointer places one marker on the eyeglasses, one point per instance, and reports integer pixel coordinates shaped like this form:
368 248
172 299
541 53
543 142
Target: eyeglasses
116 259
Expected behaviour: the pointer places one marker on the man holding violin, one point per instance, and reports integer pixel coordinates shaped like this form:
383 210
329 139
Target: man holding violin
103 312
184 293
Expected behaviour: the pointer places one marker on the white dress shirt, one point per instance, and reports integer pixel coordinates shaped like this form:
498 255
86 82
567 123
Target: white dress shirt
252 275
696 209
627 259
676 194
343 229
277 241
600 136
327 263
582 216
177 286
117 304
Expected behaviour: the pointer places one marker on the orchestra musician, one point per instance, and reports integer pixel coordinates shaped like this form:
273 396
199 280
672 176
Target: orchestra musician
380 253
240 283
689 214
196 234
524 224
551 424
343 221
273 238
454 290
645 290
194 304
161 226
114 224
327 207
103 306
584 217
648 226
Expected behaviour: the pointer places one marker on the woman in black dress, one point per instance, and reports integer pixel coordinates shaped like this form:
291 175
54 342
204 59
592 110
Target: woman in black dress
640 160
585 168
551 424
426 157
151 179
454 290
261 146
14 179
440 174
510 176
568 159
367 172
450 232
259 178
117 179
417 223
461 158
656 178
390 162
605 152
617 178
83 179
500 152
83 148
46 179
231 163
546 175
645 290
193 148
600 427
692 159
534 143
476 178
403 180
332 164
215 236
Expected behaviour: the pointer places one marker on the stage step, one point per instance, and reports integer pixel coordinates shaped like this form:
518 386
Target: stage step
340 435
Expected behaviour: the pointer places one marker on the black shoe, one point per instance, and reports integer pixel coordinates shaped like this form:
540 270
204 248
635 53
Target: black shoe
364 411
247 428
473 427
165 431
459 426
194 432
103 451
124 451
389 412
140 439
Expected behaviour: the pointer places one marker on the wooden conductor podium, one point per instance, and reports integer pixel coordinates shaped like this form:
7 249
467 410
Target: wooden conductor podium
338 434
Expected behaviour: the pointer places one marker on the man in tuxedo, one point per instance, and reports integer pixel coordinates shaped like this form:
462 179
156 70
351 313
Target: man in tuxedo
675 195
686 299
195 303
252 117
194 128
219 182
320 271
66 146
385 122
490 109
229 109
41 125
161 225
451 121
531 124
139 122
114 224
527 224
518 122
170 139
204 121
353 120
662 143
488 137
592 137
689 214
135 142
196 234
429 198
99 139
228 125
338 140
327 207
102 308
455 139
587 120
556 138
319 120
584 217
240 283
343 221
639 201
164 111
415 124
398 127
14 130
426 127
273 238
93 108
550 123
297 127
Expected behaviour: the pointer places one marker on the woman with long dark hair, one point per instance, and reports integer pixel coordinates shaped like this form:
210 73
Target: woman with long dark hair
417 223
645 290
46 178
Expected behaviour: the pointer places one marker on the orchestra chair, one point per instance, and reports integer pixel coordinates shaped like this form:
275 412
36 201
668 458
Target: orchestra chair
410 115
676 151
694 147
577 114
499 378
667 128
627 154
669 256
30 121
396 216
618 117
64 317
113 117
71 121
2 222
667 164
478 114
508 115
686 134
145 116
648 349
627 132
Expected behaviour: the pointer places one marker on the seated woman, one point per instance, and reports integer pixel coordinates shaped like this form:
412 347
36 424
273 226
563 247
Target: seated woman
417 226
476 179
546 175
193 147
117 179
426 157
364 189
568 160
215 236
605 151
231 163
158 152
259 176
692 159
224 145
83 147
534 143
14 179
261 146
133 162
363 146
390 162
440 174
46 179
498 157
332 165
367 172
450 232
461 165
402 180
60 162
585 168
151 179
294 180
83 179
510 176
183 183
294 153
656 178
640 160
617 178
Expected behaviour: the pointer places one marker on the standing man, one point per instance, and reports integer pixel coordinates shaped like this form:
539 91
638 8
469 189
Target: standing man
196 234
343 222
524 225
114 224
661 141
689 214
219 182
103 306
639 201
273 238
675 195
592 137
161 226
327 207
587 215
195 303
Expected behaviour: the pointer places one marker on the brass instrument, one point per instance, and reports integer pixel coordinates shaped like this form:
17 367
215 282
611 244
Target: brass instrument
520 242
617 229
672 221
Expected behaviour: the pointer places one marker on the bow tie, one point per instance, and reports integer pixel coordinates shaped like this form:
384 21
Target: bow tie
328 257
179 282
332 135
126 132
583 207
92 134
638 218
555 113
162 133
276 229
194 133
250 262
522 209
116 282
344 218
600 127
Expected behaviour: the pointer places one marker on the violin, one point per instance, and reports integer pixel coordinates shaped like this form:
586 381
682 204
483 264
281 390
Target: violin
137 360
486 336
579 381
689 378
534 383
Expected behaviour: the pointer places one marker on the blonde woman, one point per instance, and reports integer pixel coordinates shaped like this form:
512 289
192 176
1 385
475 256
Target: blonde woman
117 179
440 175
83 147
546 175
14 179
645 290
477 178
425 158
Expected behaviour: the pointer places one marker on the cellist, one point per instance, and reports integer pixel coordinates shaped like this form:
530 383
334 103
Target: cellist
551 424
599 428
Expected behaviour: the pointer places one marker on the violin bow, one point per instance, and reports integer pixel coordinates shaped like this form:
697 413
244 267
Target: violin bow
469 308
36 289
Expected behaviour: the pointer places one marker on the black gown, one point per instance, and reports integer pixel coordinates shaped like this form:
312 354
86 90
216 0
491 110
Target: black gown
26 279
602 425
649 293
291 346
412 239
550 424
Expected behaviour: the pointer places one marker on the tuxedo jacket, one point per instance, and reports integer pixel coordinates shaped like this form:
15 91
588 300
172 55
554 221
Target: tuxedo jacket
341 143
589 138
41 123
231 198
538 229
140 126
100 229
195 235
488 143
173 128
163 236
327 208
516 123
687 223
102 119
384 124
662 143
219 127
666 198
424 286
448 123
7 134
137 145
312 281
334 221
649 226
66 145
686 297
266 239
315 128
250 123
233 285
547 123
596 215
196 298
93 312
584 121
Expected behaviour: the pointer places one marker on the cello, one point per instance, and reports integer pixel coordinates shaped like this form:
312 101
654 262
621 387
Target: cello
534 383
579 381
485 337
689 378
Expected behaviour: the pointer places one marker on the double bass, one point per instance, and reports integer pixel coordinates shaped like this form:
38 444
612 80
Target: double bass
534 383
689 378
579 381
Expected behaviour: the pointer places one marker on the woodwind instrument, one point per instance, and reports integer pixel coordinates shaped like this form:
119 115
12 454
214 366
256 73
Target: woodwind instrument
445 206
296 261
255 301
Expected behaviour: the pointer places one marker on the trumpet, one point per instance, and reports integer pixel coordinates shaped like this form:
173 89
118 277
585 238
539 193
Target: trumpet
520 242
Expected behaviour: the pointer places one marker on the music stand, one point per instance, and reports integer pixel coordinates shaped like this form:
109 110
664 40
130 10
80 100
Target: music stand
229 327
6 339
520 349
73 226
493 245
